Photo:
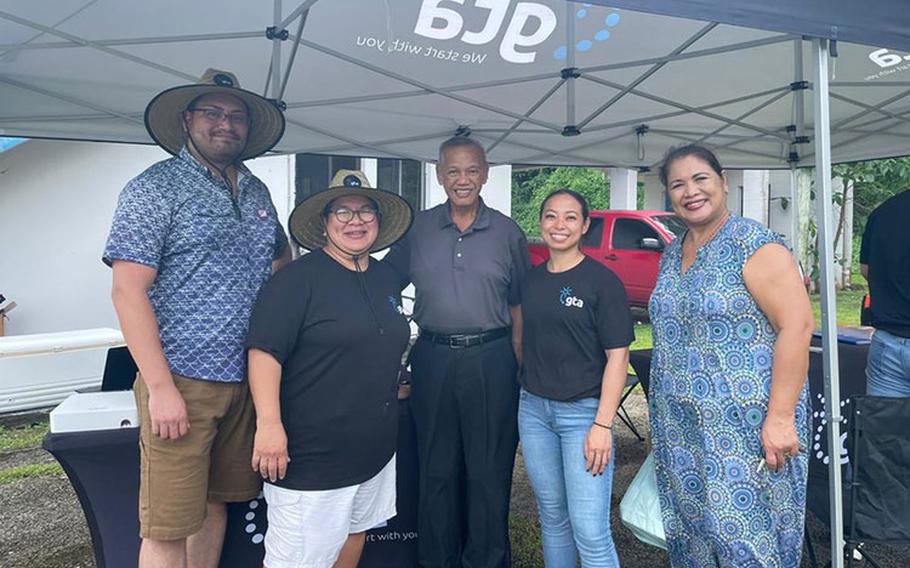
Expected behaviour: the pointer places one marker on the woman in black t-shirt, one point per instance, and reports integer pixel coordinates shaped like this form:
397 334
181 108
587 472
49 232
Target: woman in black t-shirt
325 345
575 340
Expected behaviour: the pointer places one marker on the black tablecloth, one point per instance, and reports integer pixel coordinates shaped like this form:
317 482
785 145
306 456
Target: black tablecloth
852 368
103 467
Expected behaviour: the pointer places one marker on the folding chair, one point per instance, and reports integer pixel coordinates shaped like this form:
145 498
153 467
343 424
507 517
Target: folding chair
631 382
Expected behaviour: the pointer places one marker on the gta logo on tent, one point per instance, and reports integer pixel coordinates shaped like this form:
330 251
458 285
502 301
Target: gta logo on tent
529 25
437 22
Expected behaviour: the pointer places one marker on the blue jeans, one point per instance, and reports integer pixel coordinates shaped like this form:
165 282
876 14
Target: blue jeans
574 505
888 366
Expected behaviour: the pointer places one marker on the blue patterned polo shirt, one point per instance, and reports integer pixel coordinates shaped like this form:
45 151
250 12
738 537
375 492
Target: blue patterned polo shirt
212 253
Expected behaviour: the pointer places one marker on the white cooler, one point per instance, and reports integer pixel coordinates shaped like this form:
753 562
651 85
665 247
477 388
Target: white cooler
82 412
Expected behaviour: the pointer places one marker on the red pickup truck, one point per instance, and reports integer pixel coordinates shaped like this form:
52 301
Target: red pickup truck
629 243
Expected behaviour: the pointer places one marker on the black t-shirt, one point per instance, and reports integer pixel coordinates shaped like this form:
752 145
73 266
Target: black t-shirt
568 320
886 250
338 371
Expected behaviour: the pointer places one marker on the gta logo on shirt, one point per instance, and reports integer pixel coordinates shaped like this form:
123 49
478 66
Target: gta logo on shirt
567 299
396 305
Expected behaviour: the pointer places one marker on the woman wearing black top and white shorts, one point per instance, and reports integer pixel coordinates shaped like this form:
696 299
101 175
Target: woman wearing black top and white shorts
325 345
576 334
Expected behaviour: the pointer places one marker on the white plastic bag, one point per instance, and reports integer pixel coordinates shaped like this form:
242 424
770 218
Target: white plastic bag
640 507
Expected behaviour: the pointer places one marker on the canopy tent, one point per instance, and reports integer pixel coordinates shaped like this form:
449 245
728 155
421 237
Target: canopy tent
538 82
390 79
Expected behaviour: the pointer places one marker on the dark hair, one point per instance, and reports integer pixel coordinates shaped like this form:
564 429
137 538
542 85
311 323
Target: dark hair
679 152
460 142
328 206
571 193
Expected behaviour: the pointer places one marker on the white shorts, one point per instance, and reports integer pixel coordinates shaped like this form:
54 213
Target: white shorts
308 528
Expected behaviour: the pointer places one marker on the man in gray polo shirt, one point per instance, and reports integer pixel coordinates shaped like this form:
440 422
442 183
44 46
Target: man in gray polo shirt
466 262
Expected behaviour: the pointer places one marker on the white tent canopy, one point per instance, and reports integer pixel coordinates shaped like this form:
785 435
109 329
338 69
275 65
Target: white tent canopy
393 78
537 81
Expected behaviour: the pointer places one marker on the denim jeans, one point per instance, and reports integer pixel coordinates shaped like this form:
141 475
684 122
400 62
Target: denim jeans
574 505
888 367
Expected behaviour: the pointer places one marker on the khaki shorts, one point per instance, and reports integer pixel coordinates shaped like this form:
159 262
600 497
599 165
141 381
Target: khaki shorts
210 463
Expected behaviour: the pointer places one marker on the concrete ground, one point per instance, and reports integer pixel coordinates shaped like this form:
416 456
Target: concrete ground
43 525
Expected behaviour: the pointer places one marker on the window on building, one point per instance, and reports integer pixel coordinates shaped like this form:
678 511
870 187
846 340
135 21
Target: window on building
314 172
404 177
628 233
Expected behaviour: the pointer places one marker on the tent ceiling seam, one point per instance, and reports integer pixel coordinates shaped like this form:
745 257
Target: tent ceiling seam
63 20
689 55
377 143
644 76
89 43
530 111
69 99
691 109
422 85
130 41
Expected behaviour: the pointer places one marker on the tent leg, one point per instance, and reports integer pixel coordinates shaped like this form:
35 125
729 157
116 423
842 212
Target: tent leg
276 53
828 306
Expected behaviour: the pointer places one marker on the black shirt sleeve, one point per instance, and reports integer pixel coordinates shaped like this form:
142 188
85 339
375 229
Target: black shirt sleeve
614 320
521 263
279 313
864 250
399 259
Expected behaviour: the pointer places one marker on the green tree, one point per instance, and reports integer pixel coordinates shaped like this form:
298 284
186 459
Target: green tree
531 186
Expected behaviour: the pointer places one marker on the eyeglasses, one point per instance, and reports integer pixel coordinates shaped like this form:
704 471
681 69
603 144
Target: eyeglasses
216 114
345 215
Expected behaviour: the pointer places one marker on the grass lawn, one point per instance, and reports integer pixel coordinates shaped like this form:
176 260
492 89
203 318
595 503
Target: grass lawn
847 302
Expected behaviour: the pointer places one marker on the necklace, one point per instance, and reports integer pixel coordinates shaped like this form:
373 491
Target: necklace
691 237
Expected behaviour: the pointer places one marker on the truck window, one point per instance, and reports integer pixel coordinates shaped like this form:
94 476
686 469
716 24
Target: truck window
595 233
627 233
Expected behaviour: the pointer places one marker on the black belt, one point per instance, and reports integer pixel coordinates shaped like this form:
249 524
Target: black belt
457 340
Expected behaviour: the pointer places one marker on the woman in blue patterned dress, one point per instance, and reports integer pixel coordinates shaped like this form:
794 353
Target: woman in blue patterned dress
729 406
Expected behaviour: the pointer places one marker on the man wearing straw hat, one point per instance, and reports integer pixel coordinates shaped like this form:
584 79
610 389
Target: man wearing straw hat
192 240
466 262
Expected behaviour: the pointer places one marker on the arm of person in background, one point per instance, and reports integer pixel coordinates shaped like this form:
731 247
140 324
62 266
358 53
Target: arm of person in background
399 258
283 259
282 253
129 292
270 445
598 441
521 264
515 311
865 244
773 280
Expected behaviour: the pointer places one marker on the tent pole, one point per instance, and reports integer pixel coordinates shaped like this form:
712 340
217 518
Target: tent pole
828 306
570 62
800 122
276 52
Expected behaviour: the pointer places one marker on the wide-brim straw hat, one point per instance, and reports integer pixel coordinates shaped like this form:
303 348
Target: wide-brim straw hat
306 223
164 114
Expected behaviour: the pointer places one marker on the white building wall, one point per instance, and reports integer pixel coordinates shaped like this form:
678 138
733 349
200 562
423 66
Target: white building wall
655 195
755 195
623 189
497 193
735 191
783 206
57 200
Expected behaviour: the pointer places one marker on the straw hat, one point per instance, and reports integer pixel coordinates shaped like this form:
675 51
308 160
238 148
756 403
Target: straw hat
164 115
306 224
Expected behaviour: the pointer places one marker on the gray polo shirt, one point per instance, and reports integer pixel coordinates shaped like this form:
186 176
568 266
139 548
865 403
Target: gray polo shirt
465 281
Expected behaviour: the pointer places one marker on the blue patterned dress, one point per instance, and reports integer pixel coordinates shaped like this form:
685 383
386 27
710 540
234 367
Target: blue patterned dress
710 382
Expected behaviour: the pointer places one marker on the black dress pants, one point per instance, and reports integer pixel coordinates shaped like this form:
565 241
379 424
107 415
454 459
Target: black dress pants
465 405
